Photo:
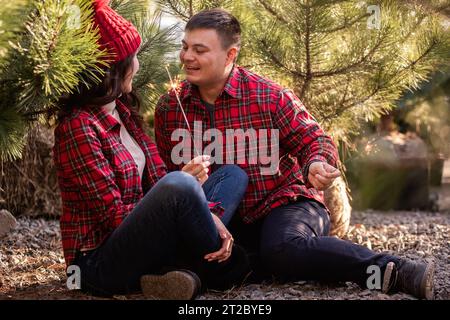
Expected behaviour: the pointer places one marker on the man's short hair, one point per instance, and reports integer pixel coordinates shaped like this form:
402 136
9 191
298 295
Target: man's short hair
226 25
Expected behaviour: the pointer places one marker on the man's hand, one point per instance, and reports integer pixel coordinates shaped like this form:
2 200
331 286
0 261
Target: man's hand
321 175
227 242
198 168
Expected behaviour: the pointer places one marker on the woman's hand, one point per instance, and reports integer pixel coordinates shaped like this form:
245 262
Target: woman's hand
198 168
227 242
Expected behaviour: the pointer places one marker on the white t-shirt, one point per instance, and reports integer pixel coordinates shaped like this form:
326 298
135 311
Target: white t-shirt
127 140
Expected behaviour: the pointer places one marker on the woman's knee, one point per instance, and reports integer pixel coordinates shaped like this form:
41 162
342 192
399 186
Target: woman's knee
179 182
176 193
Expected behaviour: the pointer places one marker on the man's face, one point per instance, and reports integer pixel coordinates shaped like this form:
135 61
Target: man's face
203 57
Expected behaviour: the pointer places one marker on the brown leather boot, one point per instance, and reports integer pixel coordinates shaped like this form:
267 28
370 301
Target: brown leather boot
174 285
411 277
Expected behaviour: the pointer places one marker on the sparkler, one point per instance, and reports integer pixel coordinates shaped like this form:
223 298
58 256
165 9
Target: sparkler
174 87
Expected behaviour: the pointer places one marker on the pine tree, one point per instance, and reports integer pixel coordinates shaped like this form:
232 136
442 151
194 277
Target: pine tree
345 69
55 50
45 59
347 64
11 125
343 66
48 48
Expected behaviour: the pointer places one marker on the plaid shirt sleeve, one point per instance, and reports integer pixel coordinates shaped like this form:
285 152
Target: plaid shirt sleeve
84 166
301 135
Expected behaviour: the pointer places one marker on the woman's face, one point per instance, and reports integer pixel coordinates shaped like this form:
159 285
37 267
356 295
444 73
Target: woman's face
127 85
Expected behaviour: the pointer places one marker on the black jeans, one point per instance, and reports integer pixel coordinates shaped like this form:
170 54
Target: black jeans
292 243
172 221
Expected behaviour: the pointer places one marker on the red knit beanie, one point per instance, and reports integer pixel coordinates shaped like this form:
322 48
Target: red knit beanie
117 35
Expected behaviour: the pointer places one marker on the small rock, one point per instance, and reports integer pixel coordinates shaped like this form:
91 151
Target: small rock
7 222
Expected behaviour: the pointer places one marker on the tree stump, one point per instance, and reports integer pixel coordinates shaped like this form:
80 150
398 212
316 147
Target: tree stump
7 222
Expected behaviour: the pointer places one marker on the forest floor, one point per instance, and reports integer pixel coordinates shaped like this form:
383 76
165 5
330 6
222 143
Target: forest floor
32 264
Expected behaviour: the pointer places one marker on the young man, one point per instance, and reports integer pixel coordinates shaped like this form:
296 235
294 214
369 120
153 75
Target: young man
283 217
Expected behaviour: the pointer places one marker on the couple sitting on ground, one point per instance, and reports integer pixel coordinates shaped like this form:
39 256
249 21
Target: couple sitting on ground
137 217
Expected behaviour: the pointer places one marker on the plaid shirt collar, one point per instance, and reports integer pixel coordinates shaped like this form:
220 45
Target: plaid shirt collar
232 86
107 121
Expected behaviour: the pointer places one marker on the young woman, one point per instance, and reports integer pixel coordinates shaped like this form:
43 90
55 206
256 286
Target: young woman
127 223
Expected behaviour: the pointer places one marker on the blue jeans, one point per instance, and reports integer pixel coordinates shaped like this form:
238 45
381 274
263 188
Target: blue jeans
173 219
226 185
292 243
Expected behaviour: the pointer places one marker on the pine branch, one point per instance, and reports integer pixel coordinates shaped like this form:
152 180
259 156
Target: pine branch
174 9
344 96
191 9
273 12
423 55
347 24
425 4
394 80
308 76
12 132
270 54
352 66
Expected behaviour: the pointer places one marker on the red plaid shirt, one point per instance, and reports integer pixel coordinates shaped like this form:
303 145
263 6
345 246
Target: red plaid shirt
98 177
250 101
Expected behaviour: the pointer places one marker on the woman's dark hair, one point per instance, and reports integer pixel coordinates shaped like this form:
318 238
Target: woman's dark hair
100 94
225 24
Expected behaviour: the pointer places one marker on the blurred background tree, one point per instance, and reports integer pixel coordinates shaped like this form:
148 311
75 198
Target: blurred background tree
427 112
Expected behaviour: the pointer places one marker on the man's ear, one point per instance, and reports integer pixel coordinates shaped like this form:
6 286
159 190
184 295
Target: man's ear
232 55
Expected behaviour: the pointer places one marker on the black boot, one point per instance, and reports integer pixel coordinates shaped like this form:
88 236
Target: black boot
410 277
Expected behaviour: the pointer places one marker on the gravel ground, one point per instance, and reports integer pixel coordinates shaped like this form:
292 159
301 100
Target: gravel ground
32 265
